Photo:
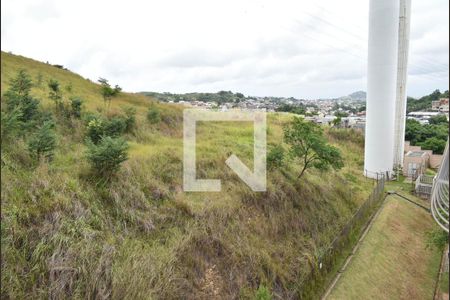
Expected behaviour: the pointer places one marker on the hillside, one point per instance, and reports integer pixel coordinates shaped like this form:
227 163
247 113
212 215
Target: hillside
355 96
424 103
68 234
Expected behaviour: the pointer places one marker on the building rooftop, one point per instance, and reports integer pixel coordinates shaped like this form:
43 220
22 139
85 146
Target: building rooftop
415 153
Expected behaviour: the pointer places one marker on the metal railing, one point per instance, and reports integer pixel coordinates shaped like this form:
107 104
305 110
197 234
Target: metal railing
439 194
424 185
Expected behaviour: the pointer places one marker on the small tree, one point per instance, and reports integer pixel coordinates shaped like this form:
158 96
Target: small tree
105 157
439 119
309 146
43 142
18 97
75 105
55 93
107 91
27 105
21 84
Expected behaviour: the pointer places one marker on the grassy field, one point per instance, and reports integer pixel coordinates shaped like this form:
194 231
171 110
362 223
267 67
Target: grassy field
393 261
66 235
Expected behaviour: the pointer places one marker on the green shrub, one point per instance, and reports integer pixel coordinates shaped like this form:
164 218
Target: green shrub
27 105
98 126
153 115
21 84
95 130
10 123
437 238
18 98
130 118
75 105
275 157
262 293
105 157
43 142
69 88
115 126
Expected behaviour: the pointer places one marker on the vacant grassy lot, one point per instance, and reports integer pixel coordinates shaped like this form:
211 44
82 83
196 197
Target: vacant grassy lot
67 235
393 261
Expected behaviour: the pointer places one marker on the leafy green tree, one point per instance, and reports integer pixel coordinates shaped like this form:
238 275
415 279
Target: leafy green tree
295 109
429 137
43 142
341 114
107 91
309 146
424 103
153 115
55 92
413 131
439 119
433 143
107 156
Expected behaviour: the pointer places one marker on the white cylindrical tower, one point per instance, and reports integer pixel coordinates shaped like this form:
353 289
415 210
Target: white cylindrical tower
381 86
402 74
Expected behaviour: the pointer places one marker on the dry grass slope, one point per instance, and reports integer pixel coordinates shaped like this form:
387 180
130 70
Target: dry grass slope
64 235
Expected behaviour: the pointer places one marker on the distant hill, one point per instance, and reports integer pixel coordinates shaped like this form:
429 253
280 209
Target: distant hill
355 96
219 97
359 95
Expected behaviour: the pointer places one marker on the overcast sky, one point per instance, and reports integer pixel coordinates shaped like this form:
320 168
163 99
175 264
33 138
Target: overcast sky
305 49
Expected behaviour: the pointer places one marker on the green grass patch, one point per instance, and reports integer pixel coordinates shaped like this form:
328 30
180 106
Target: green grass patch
393 261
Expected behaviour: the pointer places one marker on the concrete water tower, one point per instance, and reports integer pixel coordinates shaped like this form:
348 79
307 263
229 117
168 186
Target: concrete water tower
386 85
